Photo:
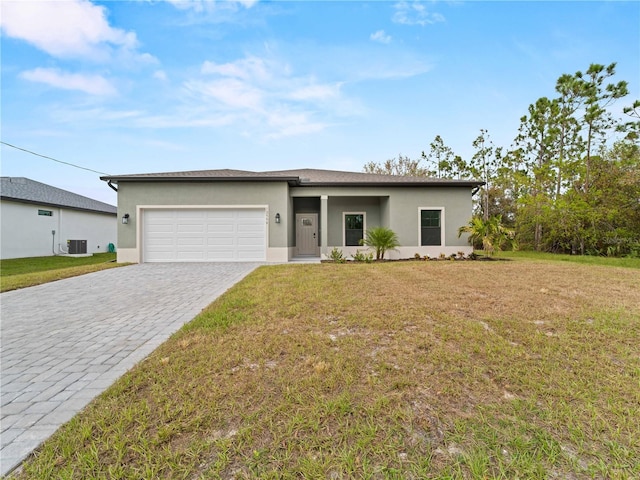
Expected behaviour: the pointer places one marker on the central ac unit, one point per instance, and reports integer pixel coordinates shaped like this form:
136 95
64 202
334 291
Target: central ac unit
76 246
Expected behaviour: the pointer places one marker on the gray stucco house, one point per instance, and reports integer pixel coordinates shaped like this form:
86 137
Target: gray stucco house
38 220
276 216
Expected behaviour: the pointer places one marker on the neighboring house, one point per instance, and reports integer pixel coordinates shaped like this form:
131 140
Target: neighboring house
234 215
37 220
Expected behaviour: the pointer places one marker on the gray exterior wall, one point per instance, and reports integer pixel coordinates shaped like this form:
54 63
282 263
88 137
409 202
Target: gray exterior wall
396 208
133 194
337 206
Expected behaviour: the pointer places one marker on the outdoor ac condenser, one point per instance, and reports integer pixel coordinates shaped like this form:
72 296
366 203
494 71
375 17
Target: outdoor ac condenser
76 246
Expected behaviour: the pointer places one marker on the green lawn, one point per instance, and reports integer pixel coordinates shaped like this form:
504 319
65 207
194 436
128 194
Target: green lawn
469 370
26 272
627 262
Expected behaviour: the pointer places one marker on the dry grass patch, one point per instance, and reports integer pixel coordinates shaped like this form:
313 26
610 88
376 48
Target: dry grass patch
394 370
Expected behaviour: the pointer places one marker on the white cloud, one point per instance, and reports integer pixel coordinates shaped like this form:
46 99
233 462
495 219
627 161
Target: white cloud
229 92
160 75
91 84
381 37
288 124
250 68
316 92
210 5
414 13
66 29
265 95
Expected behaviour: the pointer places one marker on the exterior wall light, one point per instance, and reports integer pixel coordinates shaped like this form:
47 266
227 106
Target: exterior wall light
125 218
277 218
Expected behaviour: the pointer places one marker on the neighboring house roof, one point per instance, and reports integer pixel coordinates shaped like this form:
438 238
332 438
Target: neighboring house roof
24 190
301 177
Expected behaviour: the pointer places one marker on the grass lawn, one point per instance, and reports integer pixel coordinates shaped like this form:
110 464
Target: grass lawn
627 262
395 370
26 272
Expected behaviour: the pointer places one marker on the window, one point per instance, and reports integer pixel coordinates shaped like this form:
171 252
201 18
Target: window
45 213
353 229
430 228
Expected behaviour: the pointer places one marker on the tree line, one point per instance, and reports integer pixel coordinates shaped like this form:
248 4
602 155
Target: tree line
569 182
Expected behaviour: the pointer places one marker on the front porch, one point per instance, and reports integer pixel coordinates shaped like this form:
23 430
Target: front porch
324 222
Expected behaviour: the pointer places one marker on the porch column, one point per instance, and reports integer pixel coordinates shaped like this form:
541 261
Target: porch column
324 226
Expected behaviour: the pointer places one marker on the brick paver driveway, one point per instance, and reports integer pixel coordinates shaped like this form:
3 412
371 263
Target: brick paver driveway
65 342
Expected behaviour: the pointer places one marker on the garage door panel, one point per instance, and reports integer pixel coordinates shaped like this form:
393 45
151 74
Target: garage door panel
190 227
250 255
185 214
161 228
220 241
221 213
244 228
220 228
163 256
195 241
194 235
250 242
189 256
161 242
223 254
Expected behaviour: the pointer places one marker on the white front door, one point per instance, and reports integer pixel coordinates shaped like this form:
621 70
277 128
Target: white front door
307 234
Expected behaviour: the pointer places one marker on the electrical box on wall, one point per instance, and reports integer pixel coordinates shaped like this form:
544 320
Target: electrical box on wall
76 246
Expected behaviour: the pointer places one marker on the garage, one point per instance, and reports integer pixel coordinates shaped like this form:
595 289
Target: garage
204 235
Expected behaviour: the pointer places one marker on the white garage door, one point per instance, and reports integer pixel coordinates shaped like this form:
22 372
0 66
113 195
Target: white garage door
204 235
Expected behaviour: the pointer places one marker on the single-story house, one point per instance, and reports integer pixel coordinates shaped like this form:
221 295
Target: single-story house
277 216
38 220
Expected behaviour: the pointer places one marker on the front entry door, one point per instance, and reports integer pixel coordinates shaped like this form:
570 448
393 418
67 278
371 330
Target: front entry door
307 233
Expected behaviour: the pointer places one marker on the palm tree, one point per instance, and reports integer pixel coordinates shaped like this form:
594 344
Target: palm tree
382 239
490 233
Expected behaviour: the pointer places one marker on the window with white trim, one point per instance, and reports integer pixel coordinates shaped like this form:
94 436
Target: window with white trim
354 228
430 227
45 213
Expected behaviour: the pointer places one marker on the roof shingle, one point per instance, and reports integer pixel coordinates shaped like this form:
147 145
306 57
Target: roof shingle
305 176
21 189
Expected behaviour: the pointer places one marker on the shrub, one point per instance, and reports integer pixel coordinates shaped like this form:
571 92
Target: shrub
382 239
363 257
491 234
337 256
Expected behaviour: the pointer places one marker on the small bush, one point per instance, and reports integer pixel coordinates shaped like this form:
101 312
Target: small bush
337 256
363 257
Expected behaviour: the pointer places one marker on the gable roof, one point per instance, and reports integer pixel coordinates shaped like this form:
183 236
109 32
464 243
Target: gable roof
24 190
299 177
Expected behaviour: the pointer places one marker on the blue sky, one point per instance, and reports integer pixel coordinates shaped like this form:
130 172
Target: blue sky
149 86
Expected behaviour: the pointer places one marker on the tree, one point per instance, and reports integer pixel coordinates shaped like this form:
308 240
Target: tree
597 119
400 166
570 145
484 164
632 127
382 239
490 234
440 156
537 145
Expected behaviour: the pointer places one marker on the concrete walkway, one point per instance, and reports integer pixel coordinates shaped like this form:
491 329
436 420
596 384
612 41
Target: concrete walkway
65 342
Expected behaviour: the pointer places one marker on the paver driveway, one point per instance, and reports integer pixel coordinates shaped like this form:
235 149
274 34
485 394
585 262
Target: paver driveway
65 342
